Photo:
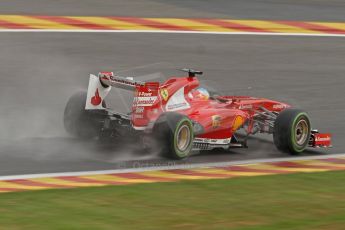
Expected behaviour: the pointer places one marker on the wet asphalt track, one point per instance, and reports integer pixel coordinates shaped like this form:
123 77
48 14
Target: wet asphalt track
39 71
313 10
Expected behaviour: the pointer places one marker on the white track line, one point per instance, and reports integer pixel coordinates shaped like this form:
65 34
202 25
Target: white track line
186 166
167 31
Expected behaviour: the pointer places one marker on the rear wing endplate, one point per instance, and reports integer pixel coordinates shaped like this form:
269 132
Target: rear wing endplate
100 86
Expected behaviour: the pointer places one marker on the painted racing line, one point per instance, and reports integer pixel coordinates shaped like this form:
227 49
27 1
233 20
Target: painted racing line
40 23
223 170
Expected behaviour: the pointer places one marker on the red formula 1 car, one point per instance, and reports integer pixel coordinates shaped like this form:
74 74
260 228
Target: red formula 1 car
182 116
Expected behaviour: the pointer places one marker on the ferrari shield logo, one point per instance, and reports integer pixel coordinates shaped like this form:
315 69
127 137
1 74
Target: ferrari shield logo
216 121
164 94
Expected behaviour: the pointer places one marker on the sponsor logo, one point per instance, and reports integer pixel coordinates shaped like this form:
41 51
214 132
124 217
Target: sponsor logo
213 141
164 93
177 106
138 116
278 106
144 101
246 106
96 100
124 81
145 94
139 109
216 121
105 74
322 138
177 101
204 140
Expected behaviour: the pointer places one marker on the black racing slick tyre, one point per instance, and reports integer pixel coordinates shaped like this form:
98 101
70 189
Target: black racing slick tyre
77 121
175 134
292 131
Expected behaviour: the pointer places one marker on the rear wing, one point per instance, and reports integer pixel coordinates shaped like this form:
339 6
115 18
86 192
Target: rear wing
100 86
109 79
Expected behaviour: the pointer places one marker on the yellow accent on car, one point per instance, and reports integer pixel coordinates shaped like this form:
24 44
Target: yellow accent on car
237 123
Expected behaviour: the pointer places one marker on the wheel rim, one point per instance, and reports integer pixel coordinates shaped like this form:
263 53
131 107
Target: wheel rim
301 132
183 138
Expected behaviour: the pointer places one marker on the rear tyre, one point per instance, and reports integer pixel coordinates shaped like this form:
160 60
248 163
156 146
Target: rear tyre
292 131
175 134
78 121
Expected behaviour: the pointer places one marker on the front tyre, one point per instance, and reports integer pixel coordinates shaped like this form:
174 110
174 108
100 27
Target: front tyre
175 133
292 131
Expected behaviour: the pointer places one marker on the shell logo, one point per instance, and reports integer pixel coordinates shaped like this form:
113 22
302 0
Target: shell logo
216 121
237 123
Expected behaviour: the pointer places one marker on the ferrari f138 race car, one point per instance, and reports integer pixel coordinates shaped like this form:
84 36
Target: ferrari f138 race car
182 116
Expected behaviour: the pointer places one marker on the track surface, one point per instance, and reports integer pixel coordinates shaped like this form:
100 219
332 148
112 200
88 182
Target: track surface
40 71
314 10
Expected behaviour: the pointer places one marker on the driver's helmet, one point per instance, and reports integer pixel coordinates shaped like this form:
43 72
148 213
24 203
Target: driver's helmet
199 94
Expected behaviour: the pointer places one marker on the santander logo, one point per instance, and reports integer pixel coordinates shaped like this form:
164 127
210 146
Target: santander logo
96 100
326 138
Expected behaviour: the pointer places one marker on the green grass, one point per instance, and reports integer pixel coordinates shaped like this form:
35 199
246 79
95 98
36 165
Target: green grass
297 201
